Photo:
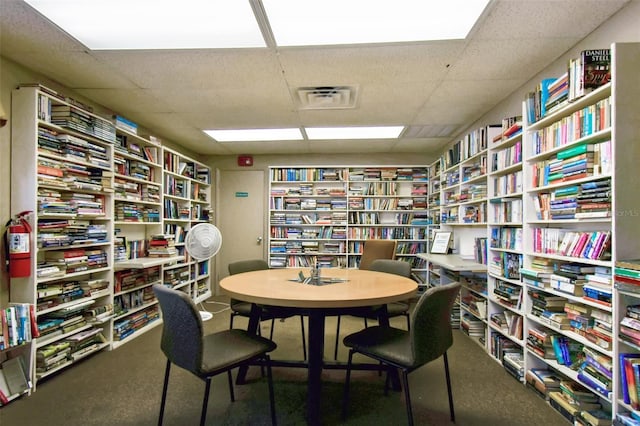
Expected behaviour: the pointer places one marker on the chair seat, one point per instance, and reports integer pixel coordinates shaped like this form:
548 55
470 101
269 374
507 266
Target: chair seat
389 343
224 349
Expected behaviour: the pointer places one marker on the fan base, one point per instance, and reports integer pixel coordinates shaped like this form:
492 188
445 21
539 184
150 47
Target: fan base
205 316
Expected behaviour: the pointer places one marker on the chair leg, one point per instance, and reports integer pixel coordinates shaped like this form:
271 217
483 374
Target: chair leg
387 380
335 351
446 372
231 393
272 402
407 396
347 382
273 322
304 340
165 386
205 401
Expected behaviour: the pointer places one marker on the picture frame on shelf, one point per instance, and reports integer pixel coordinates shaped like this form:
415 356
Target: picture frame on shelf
441 242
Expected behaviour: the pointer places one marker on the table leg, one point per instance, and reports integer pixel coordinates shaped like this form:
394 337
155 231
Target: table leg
252 328
316 353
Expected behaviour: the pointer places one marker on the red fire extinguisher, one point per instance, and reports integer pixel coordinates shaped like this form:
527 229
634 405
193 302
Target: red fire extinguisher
18 242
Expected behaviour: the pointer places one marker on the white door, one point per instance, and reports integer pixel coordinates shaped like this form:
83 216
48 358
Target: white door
240 217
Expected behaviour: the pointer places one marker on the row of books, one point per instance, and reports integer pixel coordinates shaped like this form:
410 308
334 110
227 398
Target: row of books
587 200
584 74
578 244
132 323
506 238
65 232
388 173
582 123
507 210
505 265
124 145
510 127
128 279
508 184
123 302
17 325
307 175
510 295
578 162
60 145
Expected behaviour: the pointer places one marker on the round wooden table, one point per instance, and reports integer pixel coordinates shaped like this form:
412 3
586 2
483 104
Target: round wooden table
354 288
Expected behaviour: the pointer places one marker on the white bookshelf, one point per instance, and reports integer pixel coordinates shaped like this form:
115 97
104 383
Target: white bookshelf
325 214
57 145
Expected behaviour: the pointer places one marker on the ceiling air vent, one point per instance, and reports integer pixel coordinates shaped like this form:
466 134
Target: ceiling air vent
327 97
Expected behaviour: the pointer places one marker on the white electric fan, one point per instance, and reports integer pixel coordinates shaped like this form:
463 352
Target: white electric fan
202 242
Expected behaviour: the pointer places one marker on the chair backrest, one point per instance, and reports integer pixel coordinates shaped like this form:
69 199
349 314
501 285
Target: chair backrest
397 267
430 329
247 266
181 330
377 249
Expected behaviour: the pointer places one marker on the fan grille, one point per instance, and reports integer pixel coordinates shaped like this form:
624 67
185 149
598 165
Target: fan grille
203 241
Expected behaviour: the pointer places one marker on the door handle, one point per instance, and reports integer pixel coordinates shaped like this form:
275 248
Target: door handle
259 240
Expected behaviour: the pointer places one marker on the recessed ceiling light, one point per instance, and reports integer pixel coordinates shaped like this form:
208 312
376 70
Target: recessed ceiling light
321 22
252 135
155 24
358 132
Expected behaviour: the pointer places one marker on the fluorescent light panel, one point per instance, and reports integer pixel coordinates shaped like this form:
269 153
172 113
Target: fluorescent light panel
357 132
326 22
253 135
155 24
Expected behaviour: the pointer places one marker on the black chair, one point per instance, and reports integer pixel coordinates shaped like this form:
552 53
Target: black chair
372 250
240 308
397 267
205 356
406 350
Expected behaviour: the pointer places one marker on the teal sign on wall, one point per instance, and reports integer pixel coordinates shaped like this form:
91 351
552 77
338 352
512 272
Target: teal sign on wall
242 194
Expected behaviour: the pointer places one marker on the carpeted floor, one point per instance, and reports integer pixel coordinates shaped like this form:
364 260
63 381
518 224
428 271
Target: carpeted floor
123 387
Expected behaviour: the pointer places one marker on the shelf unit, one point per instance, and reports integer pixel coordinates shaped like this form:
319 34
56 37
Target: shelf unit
534 235
95 192
186 202
325 214
137 187
62 158
605 120
505 313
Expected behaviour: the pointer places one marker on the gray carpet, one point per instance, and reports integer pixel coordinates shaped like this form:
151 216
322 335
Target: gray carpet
124 386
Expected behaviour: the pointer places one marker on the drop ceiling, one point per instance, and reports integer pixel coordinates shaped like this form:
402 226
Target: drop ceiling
434 88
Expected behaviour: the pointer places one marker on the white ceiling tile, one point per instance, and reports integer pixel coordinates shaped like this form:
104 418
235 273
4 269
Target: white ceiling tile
445 84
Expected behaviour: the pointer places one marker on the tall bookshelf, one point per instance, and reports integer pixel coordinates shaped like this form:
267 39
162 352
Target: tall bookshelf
62 161
464 212
505 313
137 186
186 202
101 200
587 241
325 214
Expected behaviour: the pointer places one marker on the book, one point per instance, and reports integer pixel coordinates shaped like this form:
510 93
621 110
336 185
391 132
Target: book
15 375
596 417
624 375
596 66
